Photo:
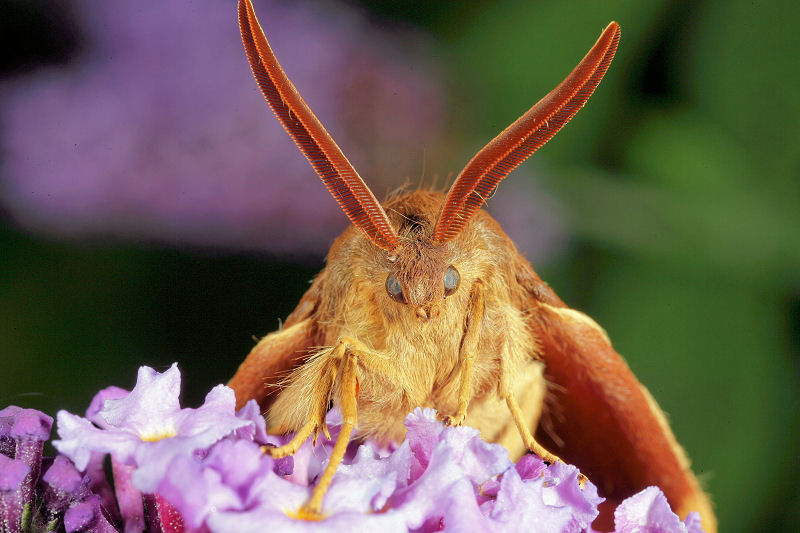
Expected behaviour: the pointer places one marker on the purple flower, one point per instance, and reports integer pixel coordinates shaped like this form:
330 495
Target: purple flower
257 432
129 499
436 478
202 470
553 501
63 486
99 401
157 129
221 482
87 517
23 433
649 512
13 499
147 428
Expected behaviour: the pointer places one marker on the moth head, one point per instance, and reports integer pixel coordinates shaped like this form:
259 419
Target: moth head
420 273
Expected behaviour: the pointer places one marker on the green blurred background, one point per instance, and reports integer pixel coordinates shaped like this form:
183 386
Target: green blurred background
680 183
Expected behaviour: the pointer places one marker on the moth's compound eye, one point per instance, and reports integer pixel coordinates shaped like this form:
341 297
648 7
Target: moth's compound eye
451 280
394 289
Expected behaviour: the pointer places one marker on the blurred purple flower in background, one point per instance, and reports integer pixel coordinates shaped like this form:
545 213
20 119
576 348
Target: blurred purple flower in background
158 131
177 469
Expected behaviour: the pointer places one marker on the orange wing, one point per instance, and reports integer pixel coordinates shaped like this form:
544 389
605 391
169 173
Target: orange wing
600 418
278 353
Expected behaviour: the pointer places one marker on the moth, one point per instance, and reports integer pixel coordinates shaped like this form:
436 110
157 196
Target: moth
425 301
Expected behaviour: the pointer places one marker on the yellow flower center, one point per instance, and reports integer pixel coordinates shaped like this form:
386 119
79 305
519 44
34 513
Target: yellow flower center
305 514
157 434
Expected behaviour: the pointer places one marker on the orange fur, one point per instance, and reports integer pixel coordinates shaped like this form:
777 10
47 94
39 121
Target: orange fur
412 362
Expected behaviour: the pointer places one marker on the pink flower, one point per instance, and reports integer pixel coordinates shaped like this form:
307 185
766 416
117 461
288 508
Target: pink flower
156 129
202 470
649 512
147 428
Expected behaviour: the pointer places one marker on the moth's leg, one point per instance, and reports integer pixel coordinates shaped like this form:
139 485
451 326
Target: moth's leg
466 354
293 445
349 391
379 363
527 437
316 421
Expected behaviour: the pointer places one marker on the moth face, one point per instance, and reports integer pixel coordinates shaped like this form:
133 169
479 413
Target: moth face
422 291
421 277
421 273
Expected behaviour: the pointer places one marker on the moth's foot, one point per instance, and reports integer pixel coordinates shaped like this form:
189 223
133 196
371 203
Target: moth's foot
293 445
453 420
308 512
582 479
278 452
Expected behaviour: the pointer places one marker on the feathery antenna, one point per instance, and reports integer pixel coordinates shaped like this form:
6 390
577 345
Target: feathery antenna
308 133
527 134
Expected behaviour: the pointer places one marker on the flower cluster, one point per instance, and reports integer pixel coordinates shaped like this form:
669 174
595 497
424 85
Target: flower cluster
202 470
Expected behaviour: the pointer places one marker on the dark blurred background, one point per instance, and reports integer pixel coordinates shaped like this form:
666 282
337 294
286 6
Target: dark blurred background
152 210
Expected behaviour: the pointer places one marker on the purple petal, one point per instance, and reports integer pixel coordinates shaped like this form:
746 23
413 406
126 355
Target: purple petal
147 427
28 429
276 494
261 519
79 517
30 424
366 484
154 457
530 466
213 420
195 492
149 407
649 512
129 499
251 412
80 438
479 459
234 477
63 486
422 437
87 517
13 497
7 444
99 401
563 490
457 510
520 503
425 496
692 523
284 466
99 485
62 475
7 415
12 473
239 462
